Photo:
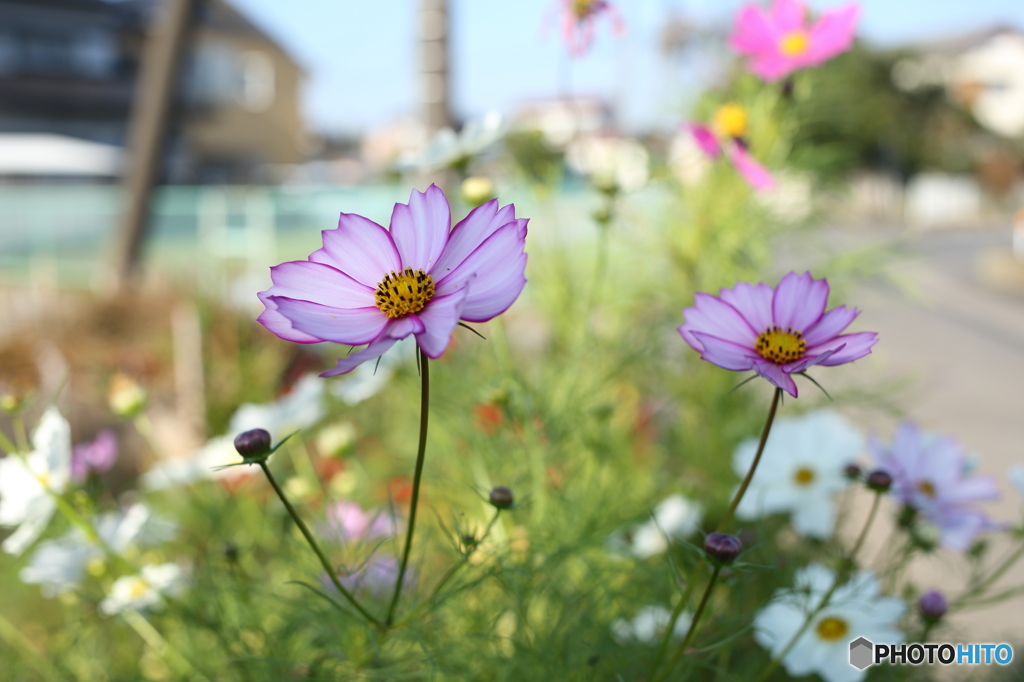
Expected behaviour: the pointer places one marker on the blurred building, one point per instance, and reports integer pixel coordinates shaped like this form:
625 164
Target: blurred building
68 69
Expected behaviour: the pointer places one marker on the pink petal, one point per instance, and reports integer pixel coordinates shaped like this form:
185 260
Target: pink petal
754 32
352 326
440 318
319 283
788 15
754 173
279 324
775 375
420 228
360 248
376 349
799 302
753 301
773 66
800 365
830 325
713 316
498 266
705 139
832 34
470 233
404 326
975 489
856 346
725 354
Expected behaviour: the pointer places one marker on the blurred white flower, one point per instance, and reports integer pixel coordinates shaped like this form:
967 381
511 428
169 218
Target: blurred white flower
801 470
791 199
675 517
856 609
203 464
687 160
300 408
449 149
27 485
648 626
145 590
335 440
58 565
1017 477
610 162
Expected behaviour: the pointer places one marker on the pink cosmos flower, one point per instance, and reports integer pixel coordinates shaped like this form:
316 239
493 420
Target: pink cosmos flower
780 42
369 285
930 475
579 23
726 136
349 522
99 455
775 332
377 576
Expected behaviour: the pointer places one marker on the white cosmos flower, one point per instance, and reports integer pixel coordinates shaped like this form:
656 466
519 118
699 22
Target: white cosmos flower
801 470
300 408
144 590
204 464
674 517
27 485
448 148
59 565
1017 477
648 626
856 609
610 162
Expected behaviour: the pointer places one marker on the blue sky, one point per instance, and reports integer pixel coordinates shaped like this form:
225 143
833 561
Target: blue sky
360 54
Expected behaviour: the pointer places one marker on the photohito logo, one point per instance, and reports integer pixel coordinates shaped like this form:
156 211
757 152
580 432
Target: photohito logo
864 652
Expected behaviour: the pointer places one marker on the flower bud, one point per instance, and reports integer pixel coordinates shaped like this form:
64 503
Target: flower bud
852 471
253 444
880 481
125 397
501 497
722 547
932 606
477 190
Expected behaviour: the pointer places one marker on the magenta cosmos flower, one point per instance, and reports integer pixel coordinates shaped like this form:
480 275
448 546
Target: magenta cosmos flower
780 42
726 136
369 285
579 23
775 332
930 474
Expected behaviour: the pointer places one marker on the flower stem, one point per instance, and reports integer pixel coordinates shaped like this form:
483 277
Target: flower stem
21 434
987 582
691 581
13 636
416 479
156 641
693 626
841 576
331 573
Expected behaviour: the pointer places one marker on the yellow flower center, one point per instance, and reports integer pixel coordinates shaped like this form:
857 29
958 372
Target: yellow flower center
832 629
404 293
927 488
583 8
780 346
794 43
138 588
44 479
804 476
731 120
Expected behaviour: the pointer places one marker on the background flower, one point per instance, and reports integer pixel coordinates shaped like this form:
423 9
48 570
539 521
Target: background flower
98 455
579 23
648 626
145 590
675 517
803 470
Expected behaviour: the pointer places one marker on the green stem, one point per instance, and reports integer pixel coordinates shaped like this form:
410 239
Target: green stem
13 636
987 582
417 478
331 573
157 642
681 649
20 434
6 444
691 581
840 579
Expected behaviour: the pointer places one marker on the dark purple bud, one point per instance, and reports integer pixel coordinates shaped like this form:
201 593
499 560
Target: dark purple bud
879 481
723 548
253 444
932 606
852 471
501 497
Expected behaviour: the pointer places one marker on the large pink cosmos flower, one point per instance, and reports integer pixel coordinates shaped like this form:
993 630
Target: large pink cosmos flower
369 285
780 42
726 137
775 332
930 475
579 23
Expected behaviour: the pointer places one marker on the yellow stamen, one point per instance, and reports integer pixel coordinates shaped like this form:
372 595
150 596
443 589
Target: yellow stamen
138 588
927 488
731 120
832 629
583 8
794 43
780 345
404 293
44 478
804 476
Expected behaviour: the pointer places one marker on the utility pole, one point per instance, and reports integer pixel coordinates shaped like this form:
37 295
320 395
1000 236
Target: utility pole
434 88
155 88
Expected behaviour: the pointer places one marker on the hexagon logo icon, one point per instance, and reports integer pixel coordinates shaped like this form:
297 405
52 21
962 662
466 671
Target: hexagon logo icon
861 653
